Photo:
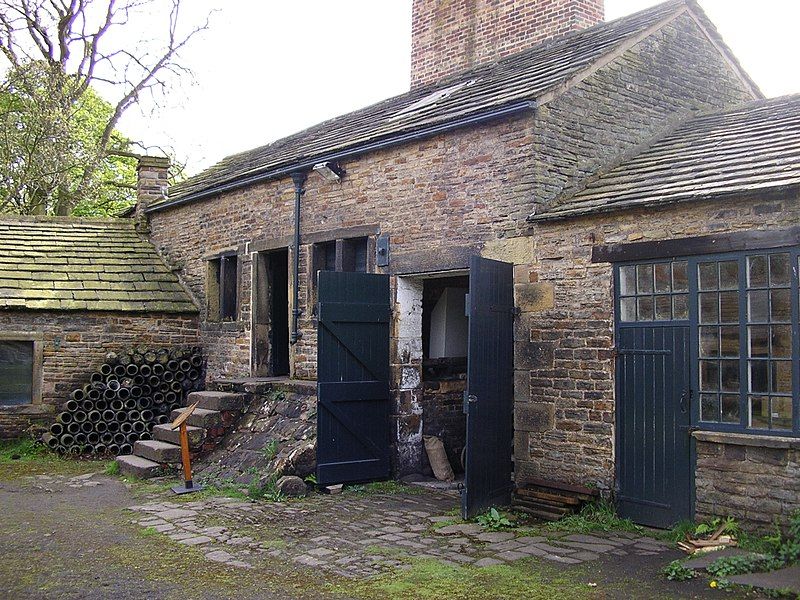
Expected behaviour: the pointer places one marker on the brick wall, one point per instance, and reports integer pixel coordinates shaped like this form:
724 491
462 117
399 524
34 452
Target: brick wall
564 411
758 484
448 36
76 343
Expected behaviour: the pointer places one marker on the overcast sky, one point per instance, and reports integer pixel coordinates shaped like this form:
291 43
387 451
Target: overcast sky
268 69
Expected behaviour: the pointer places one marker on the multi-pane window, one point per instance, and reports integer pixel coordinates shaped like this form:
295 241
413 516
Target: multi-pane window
745 341
743 311
16 372
769 348
718 334
654 291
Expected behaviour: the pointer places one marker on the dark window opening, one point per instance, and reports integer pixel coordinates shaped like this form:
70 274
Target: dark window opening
16 373
223 288
354 255
341 255
337 255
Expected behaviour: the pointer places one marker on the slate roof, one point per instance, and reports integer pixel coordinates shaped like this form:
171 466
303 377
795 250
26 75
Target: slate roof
515 81
74 264
753 148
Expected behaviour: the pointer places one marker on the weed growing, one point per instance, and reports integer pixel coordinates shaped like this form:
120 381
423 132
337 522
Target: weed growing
595 516
494 520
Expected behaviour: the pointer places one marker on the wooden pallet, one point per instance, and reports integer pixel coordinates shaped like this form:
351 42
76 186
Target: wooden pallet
551 500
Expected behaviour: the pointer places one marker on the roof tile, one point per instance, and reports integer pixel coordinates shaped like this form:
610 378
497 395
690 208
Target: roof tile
753 147
76 264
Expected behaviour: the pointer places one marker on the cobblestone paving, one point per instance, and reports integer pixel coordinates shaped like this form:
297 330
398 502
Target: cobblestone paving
362 535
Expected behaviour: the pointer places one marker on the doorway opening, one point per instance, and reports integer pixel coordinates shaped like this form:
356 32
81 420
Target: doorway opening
444 364
271 314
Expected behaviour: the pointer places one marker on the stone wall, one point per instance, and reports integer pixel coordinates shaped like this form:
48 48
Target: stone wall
75 343
751 478
443 199
564 388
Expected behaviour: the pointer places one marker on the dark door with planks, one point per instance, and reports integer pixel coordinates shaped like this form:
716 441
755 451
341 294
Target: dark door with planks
489 399
653 419
353 427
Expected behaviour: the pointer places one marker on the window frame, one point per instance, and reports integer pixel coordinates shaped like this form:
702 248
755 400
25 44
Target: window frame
743 326
218 268
37 339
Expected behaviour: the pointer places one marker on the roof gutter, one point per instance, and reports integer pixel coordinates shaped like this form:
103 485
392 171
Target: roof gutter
476 119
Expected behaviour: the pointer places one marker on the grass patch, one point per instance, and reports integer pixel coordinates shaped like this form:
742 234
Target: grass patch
112 468
148 531
595 516
24 449
26 457
383 487
426 579
270 451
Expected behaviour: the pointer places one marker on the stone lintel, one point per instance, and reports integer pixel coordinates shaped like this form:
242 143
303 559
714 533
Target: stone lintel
746 439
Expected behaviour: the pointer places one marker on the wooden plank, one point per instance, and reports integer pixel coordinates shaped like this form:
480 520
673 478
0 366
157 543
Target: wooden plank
548 495
707 244
562 486
537 503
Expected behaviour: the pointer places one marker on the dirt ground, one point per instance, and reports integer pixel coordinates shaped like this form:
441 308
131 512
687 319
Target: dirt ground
70 535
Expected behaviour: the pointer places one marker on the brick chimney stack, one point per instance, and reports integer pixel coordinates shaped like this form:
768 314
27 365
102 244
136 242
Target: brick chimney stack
448 36
152 182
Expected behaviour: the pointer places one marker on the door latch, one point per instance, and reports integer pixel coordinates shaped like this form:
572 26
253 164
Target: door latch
469 399
686 398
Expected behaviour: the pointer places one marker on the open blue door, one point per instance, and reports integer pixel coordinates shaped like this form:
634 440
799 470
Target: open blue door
489 399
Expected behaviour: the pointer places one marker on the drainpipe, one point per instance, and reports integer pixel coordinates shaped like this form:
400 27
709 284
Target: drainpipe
299 179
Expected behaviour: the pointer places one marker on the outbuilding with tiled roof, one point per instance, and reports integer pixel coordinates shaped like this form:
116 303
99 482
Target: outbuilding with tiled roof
72 290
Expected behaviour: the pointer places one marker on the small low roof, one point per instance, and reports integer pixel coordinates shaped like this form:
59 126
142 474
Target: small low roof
751 149
516 82
79 264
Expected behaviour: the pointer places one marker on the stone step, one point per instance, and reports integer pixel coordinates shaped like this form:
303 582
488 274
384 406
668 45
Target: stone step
157 451
164 433
216 400
201 417
137 466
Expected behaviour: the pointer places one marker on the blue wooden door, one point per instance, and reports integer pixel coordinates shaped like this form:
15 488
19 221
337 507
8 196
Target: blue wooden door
352 377
489 401
653 424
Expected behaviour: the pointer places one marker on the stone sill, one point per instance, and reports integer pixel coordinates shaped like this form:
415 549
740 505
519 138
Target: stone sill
746 439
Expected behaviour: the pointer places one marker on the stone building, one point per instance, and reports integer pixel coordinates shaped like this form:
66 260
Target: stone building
585 154
72 290
594 175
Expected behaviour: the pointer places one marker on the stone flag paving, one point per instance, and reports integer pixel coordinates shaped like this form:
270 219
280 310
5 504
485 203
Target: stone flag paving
356 535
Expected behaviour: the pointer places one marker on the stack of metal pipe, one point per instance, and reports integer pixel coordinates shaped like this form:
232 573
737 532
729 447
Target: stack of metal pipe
125 399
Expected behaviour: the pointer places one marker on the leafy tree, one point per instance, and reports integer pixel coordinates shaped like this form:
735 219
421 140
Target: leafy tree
60 151
45 147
